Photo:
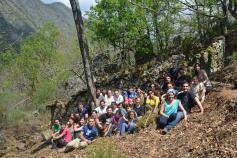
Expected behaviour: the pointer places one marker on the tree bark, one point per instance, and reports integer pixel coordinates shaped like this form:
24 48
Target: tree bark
84 48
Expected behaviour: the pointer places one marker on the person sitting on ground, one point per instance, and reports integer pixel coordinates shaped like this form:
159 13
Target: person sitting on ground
129 96
82 110
105 120
101 109
129 124
87 136
116 121
202 77
63 138
198 89
141 95
174 70
152 101
104 93
120 107
56 128
200 73
129 107
71 121
167 80
78 127
138 108
95 116
145 84
170 86
182 77
109 98
156 89
169 110
189 99
113 106
99 97
118 98
89 132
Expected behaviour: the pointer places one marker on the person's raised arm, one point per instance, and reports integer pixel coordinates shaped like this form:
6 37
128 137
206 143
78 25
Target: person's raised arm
199 104
184 111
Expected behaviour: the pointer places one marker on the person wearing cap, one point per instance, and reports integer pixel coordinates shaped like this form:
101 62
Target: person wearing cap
169 112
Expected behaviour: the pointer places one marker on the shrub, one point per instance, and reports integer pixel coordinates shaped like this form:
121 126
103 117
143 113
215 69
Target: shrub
103 148
234 56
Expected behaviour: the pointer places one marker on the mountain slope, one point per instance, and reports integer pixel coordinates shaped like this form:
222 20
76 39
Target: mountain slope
19 18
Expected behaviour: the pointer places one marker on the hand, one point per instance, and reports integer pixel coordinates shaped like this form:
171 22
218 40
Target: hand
88 142
186 118
202 111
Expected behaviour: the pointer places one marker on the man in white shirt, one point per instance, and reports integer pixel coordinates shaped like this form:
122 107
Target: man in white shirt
101 109
198 88
118 98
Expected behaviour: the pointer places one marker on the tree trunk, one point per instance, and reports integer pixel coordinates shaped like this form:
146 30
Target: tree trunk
83 47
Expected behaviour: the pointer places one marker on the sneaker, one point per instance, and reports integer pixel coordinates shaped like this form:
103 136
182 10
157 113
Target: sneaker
164 131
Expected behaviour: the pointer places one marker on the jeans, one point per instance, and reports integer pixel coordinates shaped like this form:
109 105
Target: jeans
168 124
130 127
59 143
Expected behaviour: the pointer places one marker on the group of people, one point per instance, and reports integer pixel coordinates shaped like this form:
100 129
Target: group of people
119 111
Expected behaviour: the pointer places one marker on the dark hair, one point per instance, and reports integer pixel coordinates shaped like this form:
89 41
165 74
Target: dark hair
197 64
119 112
185 83
109 107
94 111
102 101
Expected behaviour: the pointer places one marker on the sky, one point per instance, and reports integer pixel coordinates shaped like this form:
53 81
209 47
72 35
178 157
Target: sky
84 4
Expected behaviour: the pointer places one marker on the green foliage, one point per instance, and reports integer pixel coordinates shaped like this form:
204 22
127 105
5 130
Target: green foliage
15 115
103 149
146 120
234 56
144 27
37 70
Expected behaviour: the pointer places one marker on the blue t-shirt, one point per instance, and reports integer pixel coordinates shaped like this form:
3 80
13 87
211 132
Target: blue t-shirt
187 100
90 133
131 95
171 109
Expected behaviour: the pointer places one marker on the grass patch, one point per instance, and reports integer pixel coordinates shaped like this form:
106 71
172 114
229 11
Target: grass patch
148 119
103 148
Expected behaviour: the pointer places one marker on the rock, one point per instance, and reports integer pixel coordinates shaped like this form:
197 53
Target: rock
21 146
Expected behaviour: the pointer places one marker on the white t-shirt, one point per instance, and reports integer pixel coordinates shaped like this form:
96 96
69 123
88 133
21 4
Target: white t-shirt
197 89
100 111
118 99
108 100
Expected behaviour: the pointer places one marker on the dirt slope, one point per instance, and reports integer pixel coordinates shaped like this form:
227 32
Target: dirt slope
213 134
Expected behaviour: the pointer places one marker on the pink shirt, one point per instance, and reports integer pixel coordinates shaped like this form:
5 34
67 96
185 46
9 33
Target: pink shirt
67 135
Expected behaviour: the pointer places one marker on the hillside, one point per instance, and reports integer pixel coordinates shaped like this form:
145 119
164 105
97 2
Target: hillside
212 134
19 18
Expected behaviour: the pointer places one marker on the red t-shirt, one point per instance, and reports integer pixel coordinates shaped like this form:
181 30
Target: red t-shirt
67 135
